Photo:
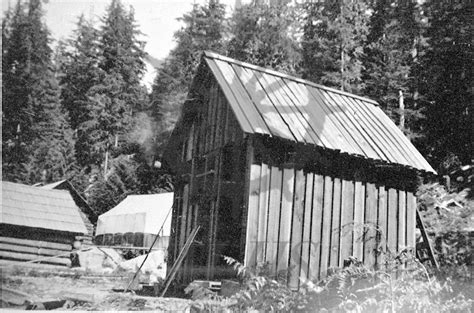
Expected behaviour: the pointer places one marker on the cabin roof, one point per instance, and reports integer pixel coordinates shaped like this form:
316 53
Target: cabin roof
271 103
31 206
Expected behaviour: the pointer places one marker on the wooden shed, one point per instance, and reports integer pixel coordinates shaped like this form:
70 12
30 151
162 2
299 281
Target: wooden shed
277 169
38 224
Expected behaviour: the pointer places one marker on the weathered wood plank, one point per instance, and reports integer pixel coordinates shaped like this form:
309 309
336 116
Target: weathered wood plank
316 227
392 229
326 225
32 250
347 220
371 224
274 218
288 186
308 210
297 229
263 213
359 206
184 215
252 216
402 220
411 220
31 257
36 243
382 224
335 225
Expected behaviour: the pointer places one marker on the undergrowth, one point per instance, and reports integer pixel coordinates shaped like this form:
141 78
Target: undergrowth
402 284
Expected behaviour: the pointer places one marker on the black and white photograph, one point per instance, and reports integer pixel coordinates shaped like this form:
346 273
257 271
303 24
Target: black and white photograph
237 156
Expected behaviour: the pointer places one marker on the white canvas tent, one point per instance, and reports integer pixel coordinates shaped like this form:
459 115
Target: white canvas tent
136 220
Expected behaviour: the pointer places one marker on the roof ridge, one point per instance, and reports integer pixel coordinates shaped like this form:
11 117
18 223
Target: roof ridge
214 55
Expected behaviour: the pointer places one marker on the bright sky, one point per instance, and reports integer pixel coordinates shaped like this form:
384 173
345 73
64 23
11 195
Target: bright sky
156 18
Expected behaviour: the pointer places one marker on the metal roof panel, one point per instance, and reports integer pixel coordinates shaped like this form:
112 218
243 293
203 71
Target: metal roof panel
268 102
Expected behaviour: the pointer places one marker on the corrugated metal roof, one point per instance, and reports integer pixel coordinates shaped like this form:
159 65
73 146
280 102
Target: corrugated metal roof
275 104
30 206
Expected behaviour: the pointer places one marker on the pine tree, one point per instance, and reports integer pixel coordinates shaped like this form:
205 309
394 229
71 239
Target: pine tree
79 73
391 56
334 33
446 86
262 34
116 94
37 140
204 29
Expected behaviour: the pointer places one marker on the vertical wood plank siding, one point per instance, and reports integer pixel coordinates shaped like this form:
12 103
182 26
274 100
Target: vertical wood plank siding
213 129
304 223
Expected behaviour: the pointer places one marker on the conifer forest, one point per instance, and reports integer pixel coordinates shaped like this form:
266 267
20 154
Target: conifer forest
78 109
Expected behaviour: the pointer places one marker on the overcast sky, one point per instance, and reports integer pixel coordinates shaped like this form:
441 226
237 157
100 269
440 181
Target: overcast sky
156 18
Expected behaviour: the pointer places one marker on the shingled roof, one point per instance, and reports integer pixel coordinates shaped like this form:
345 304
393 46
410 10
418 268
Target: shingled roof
30 206
271 103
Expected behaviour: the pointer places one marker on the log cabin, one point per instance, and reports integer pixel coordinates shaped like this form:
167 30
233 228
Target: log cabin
38 224
279 170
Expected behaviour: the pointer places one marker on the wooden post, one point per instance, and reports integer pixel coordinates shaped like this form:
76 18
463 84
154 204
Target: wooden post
402 109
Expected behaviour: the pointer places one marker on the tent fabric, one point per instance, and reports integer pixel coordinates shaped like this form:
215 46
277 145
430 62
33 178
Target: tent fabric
138 214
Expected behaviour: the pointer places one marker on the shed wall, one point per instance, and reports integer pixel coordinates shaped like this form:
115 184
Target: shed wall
306 223
210 181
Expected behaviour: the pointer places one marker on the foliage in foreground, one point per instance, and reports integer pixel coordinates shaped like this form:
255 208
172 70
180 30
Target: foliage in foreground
401 285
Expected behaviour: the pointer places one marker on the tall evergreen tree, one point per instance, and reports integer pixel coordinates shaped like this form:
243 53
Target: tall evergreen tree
447 82
32 118
204 29
117 94
262 34
80 71
391 55
334 33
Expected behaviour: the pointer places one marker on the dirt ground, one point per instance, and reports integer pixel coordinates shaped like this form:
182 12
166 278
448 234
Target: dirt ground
34 283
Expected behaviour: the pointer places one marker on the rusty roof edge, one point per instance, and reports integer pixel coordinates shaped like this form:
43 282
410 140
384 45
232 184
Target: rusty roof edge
214 55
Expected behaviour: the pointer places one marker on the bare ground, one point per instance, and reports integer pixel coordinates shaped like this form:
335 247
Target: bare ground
35 283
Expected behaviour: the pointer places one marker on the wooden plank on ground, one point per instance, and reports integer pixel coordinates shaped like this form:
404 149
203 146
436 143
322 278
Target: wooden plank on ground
297 230
359 206
392 223
411 220
347 220
308 208
263 213
252 216
316 228
371 224
335 225
326 225
402 220
285 219
382 224
274 218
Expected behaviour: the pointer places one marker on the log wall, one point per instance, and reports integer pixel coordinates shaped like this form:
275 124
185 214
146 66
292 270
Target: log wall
303 223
